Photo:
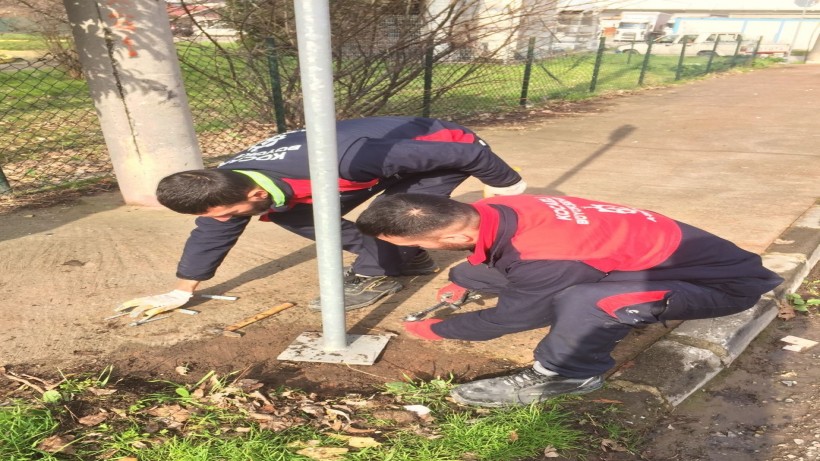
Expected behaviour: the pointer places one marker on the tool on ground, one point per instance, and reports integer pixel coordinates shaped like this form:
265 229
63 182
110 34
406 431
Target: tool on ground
220 297
471 296
233 330
148 319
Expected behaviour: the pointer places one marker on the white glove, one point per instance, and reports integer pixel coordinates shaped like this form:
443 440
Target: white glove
516 189
150 306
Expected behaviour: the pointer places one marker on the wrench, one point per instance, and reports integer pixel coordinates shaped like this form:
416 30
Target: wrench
471 296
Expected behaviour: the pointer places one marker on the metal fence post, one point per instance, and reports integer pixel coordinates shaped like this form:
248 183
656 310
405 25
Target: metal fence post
679 70
276 85
5 188
757 47
737 50
598 58
712 55
631 51
525 85
428 81
645 63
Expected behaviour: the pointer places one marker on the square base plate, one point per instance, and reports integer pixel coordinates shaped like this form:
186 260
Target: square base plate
361 349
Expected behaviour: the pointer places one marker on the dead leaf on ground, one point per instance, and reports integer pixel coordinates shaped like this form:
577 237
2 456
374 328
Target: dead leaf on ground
786 311
57 444
276 426
98 392
397 416
550 452
174 412
356 442
512 436
611 445
93 420
324 453
260 416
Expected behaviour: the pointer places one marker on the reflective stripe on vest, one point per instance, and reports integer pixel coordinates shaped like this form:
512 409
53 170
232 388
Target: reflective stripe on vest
266 183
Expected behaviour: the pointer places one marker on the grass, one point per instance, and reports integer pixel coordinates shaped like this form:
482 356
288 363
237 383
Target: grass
230 419
22 427
21 42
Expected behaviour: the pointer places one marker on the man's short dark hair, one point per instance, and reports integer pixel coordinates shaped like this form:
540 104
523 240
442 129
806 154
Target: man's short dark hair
195 191
413 215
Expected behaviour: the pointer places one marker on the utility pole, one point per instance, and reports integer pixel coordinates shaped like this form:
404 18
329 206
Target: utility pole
129 61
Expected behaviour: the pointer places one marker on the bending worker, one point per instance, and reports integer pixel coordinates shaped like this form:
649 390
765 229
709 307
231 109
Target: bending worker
590 270
271 179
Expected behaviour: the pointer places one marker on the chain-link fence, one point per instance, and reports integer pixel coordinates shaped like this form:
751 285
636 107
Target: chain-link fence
242 92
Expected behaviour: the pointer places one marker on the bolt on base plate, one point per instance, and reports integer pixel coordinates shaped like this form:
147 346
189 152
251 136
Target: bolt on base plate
361 349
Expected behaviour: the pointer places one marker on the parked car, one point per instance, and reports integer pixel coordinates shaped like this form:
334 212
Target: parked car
696 45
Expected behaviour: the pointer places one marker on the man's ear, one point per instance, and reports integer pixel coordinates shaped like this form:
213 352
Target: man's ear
257 194
456 237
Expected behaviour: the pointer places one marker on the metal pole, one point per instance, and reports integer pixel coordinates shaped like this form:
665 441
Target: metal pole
315 63
525 85
645 63
679 70
276 85
712 56
427 97
737 50
754 53
597 68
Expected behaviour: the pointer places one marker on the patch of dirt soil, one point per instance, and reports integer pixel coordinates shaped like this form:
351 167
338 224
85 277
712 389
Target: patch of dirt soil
763 407
255 356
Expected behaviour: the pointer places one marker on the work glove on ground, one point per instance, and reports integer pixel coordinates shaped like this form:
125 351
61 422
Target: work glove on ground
422 330
452 293
516 189
150 306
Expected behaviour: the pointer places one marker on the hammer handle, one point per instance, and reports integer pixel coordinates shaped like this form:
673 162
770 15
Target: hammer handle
259 316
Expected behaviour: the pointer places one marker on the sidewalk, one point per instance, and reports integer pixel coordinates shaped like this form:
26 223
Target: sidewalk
735 155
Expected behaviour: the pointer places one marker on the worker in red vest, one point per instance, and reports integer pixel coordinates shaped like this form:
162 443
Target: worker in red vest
590 270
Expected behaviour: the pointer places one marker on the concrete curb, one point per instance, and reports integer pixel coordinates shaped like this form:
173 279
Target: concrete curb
697 350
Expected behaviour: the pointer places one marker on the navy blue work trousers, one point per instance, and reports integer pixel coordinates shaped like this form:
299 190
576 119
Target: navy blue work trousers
587 320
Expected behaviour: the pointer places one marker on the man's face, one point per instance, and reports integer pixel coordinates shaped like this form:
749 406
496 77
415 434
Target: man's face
245 208
430 242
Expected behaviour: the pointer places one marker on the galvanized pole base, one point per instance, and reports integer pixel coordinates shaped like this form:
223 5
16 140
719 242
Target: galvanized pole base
361 349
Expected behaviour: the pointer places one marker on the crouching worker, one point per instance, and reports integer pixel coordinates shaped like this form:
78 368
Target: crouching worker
588 269
377 155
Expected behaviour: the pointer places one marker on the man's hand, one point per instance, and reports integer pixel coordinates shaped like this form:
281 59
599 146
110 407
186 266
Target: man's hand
452 293
516 189
150 306
422 330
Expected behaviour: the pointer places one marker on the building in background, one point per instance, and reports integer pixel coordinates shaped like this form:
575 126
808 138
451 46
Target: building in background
792 22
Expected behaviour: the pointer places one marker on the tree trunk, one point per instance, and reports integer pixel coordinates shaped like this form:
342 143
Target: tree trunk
130 63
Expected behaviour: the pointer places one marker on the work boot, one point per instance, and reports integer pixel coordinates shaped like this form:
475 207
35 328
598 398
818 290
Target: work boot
362 290
521 388
421 264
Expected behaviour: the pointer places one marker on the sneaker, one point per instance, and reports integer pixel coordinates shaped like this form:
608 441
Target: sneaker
521 388
362 291
421 264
